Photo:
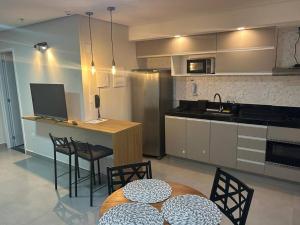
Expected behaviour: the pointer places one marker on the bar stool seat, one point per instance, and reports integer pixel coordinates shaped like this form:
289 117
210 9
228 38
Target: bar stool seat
65 150
97 152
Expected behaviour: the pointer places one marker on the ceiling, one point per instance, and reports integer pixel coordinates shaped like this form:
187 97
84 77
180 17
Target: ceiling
129 12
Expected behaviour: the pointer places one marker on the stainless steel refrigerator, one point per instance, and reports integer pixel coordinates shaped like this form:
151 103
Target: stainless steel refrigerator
152 96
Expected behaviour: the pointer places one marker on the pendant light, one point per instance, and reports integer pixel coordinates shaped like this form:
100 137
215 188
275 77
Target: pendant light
113 64
93 68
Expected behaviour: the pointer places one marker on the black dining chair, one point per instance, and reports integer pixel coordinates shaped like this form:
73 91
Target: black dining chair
63 146
92 154
232 196
119 176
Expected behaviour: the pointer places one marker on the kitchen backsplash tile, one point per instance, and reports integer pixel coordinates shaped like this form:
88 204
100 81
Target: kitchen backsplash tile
282 91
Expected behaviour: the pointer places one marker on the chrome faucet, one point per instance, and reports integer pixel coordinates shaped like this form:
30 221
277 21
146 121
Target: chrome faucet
220 101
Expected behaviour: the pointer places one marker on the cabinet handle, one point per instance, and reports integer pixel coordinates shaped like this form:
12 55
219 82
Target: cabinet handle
183 151
203 152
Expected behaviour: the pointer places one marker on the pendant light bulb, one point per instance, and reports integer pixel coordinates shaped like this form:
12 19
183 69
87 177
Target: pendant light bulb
113 69
93 68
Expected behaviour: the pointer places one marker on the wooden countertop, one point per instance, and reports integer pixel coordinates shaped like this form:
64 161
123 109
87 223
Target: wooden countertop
110 126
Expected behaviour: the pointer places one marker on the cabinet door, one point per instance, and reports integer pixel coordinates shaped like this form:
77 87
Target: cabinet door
223 143
246 52
198 132
246 62
175 136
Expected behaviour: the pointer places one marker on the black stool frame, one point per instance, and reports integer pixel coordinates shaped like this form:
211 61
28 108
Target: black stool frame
62 145
90 151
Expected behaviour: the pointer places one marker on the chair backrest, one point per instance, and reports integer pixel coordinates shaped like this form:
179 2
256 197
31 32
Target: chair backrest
119 176
81 147
232 196
59 142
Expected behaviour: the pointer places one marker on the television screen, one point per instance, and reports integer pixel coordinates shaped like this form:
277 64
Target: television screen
49 100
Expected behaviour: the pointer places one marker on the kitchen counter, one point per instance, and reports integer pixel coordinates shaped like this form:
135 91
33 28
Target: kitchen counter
249 114
125 137
109 126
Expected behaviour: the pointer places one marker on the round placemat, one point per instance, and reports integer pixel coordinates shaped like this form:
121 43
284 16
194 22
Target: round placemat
147 191
132 213
192 210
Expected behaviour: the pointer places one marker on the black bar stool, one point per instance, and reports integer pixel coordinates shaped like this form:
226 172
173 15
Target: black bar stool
63 146
90 153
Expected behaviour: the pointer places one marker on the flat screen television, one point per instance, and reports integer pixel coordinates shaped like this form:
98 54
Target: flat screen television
49 101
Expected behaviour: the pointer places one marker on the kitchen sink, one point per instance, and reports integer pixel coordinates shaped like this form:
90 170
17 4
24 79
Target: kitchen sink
217 113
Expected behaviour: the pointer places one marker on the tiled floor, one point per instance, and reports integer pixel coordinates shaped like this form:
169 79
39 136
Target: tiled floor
27 195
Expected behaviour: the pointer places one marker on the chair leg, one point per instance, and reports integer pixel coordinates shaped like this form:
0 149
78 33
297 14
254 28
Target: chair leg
91 182
76 170
99 174
55 170
70 175
94 174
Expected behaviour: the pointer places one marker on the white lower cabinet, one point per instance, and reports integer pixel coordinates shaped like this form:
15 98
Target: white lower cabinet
187 138
175 128
223 143
197 140
228 144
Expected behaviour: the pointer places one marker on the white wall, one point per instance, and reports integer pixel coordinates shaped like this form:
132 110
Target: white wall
67 61
59 64
115 102
2 135
260 16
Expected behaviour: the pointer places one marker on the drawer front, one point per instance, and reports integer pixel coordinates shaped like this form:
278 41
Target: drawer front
252 130
252 142
282 172
250 166
284 134
253 155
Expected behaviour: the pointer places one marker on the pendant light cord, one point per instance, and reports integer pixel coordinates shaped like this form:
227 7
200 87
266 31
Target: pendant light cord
111 38
91 39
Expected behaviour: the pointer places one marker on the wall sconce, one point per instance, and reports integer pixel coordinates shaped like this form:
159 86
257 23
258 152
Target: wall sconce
42 46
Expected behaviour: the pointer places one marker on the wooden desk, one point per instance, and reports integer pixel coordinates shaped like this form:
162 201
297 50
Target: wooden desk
126 136
117 197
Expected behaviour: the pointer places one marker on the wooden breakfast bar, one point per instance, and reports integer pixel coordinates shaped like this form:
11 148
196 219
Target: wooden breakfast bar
125 136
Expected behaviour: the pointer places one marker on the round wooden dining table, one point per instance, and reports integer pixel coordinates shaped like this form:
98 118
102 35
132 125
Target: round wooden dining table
117 197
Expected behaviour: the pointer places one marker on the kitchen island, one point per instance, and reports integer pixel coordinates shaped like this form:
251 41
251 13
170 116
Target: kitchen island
124 137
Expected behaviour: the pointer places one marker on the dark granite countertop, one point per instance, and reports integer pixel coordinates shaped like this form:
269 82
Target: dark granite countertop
242 113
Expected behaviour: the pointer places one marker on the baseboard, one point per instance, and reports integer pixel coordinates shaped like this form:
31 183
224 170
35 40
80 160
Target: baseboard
33 154
59 162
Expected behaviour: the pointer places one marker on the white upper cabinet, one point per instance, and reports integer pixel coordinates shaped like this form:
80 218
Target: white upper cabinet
246 52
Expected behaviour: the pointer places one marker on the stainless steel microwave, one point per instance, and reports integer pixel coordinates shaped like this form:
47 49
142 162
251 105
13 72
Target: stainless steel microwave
201 66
